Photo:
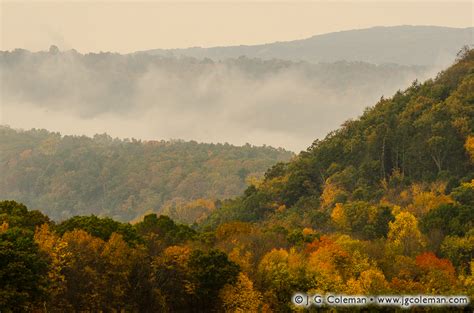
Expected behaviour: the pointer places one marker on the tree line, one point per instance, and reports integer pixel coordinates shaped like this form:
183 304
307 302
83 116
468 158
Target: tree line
78 175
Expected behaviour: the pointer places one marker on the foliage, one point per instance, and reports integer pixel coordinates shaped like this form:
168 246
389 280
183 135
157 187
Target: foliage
99 227
460 250
399 142
362 219
211 271
124 179
404 236
165 228
23 271
378 207
456 218
241 297
17 215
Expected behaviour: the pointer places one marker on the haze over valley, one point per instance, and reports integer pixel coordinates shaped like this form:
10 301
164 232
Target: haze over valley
221 94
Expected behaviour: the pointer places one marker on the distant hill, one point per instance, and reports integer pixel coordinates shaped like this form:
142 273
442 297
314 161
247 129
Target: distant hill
406 45
65 176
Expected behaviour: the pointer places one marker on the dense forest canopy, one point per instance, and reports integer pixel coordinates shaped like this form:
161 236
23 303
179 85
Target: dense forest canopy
65 176
382 206
420 135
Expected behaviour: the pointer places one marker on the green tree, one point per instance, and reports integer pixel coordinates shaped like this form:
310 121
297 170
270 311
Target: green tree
459 250
211 271
23 272
99 227
17 215
165 229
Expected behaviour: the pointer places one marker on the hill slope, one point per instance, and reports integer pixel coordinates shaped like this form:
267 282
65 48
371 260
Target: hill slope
408 45
66 176
419 135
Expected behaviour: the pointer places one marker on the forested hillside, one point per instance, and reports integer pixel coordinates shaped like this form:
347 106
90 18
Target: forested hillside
382 206
65 176
415 140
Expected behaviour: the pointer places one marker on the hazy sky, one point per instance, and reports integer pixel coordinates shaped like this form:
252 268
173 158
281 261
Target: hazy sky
131 26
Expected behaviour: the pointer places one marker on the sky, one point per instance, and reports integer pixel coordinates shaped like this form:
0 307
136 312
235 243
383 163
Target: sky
94 26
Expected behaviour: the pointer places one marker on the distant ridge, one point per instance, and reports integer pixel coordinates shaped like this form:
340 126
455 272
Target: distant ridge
406 45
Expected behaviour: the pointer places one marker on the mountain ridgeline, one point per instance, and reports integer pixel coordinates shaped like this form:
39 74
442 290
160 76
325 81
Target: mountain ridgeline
77 175
420 135
405 45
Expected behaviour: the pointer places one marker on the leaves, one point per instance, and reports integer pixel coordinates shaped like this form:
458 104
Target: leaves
382 206
123 179
404 237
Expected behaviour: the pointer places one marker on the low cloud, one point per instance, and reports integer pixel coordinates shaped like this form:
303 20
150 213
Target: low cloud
277 103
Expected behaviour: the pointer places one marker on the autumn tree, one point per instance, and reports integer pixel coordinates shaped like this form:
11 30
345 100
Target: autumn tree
438 275
85 283
55 250
118 259
101 227
241 297
469 145
453 218
171 277
281 273
404 237
424 201
459 250
370 282
363 219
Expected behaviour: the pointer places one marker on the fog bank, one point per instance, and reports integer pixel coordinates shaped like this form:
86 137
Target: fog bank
278 103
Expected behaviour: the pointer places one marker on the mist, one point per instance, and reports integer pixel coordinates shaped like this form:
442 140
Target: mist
279 103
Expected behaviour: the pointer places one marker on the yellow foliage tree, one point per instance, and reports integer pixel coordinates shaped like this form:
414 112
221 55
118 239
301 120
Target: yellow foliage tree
241 297
233 229
469 145
425 200
370 282
330 194
327 266
404 236
189 211
274 266
60 258
281 271
3 227
172 272
86 286
242 257
339 217
119 258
